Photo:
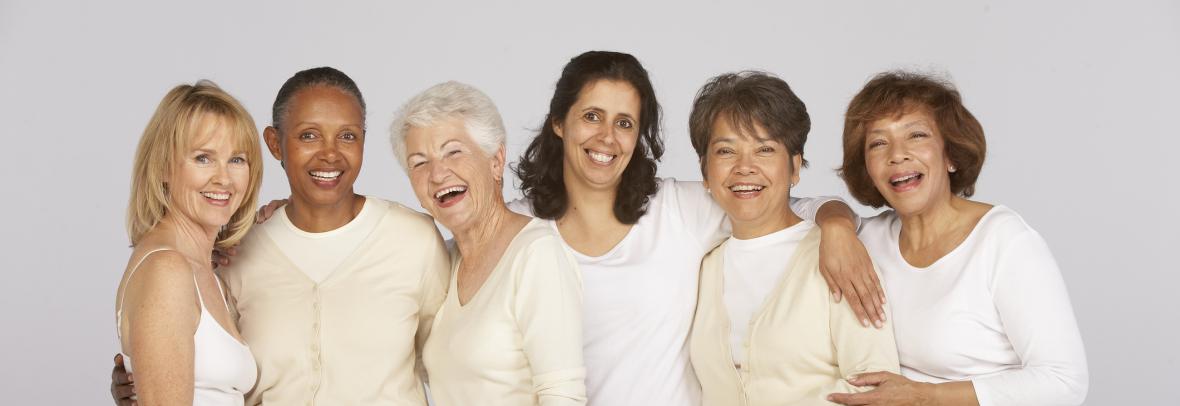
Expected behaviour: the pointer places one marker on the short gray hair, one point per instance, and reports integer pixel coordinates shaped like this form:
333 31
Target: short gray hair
449 100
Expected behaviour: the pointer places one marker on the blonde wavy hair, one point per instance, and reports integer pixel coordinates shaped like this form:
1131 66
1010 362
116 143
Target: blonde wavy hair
172 130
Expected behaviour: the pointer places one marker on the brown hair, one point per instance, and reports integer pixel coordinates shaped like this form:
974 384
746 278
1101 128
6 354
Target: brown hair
172 129
748 99
893 94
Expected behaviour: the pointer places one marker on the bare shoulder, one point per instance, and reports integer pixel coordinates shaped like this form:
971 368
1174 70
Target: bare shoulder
162 277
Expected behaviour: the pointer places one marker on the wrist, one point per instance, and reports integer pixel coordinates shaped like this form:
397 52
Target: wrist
837 224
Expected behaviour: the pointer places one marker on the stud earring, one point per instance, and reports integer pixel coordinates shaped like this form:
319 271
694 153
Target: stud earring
951 169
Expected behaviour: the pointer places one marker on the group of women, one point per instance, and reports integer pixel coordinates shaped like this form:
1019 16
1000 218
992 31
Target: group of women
604 284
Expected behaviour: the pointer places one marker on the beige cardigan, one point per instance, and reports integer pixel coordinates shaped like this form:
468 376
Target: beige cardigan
351 339
801 343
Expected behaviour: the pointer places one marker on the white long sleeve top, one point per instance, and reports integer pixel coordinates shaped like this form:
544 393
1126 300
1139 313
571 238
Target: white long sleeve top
518 340
994 311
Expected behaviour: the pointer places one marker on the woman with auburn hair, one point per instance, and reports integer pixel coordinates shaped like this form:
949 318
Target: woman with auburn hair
639 239
194 186
980 311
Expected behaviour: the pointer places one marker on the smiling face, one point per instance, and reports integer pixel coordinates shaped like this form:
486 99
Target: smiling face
321 144
211 177
750 176
599 133
455 181
906 160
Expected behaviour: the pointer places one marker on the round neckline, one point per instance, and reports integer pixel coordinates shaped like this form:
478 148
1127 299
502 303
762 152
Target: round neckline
895 234
361 216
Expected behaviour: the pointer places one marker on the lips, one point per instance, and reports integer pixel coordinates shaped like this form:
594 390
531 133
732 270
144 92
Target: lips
217 198
905 181
746 190
600 158
327 178
450 195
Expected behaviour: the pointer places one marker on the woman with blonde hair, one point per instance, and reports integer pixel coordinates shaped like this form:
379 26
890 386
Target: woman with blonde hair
195 184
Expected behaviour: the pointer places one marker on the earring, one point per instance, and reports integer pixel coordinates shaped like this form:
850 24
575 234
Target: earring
951 168
792 185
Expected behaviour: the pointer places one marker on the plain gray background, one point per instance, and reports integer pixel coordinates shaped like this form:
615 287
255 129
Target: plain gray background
1078 100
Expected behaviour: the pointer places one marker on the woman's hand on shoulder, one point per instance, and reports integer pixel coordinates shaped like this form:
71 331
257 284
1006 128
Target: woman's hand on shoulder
846 266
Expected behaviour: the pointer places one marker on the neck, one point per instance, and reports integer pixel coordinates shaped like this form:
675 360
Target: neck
589 206
782 219
189 238
323 218
928 226
482 236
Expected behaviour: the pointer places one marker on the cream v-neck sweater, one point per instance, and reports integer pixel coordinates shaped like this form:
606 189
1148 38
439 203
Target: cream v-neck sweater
352 339
800 345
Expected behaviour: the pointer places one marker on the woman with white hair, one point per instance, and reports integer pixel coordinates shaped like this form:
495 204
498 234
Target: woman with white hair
510 328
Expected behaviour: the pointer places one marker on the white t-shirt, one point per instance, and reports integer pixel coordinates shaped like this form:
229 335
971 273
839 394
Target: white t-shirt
640 296
310 253
750 275
994 311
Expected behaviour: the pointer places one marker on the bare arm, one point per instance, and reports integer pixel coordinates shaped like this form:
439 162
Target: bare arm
895 390
160 304
845 263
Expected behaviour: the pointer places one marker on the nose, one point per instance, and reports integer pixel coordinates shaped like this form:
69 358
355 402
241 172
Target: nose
439 172
898 154
744 165
330 151
221 176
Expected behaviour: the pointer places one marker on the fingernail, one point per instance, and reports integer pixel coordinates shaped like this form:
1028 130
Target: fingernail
879 324
130 377
837 297
864 322
829 398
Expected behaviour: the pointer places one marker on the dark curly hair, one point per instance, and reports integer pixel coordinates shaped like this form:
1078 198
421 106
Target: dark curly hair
540 168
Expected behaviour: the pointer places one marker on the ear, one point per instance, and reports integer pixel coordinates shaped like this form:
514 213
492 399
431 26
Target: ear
273 143
796 165
557 129
704 177
498 164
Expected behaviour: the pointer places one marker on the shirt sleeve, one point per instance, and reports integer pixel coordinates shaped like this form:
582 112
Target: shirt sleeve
548 308
1034 307
433 287
700 214
859 349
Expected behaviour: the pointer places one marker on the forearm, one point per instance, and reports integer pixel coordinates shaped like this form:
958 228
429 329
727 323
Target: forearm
835 214
953 394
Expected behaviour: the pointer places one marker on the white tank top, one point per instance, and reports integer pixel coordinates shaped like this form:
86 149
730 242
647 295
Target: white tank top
223 368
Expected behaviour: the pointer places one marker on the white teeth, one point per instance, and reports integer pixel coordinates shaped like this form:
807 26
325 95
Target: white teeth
904 178
449 190
216 196
326 175
600 157
746 188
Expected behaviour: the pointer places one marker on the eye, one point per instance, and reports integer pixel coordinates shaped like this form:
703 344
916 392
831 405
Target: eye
238 160
307 136
918 134
416 164
202 159
724 151
875 143
592 116
766 149
625 124
348 136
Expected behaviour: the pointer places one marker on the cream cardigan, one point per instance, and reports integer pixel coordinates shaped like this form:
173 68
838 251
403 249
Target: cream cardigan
351 339
801 343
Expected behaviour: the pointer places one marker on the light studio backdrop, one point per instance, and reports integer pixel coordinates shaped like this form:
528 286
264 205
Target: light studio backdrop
1078 99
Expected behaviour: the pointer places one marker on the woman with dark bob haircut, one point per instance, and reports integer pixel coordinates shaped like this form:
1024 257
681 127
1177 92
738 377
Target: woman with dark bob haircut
980 311
766 331
638 240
